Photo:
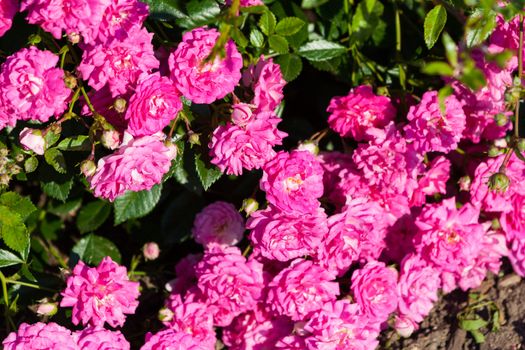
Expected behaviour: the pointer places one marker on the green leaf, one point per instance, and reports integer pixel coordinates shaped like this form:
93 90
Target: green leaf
310 4
451 49
92 249
22 205
30 164
321 50
75 143
438 68
208 176
254 9
278 44
132 205
289 26
479 26
12 229
239 37
478 336
473 78
165 10
291 66
92 216
434 23
267 23
55 158
68 208
8 259
472 325
58 188
256 38
365 20
200 12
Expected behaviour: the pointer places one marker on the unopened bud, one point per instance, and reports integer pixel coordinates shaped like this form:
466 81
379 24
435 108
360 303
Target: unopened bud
110 139
404 326
55 128
151 251
165 315
521 145
19 157
242 114
47 309
501 119
193 138
34 39
14 169
88 168
32 140
309 146
499 182
120 105
74 38
495 224
173 149
464 183
501 143
494 151
70 80
249 205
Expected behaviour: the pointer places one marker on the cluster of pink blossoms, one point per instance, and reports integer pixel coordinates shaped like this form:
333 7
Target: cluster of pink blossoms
98 295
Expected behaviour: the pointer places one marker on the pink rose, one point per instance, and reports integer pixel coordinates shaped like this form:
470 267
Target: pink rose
173 340
300 289
92 338
32 140
266 80
293 181
218 223
40 336
242 114
8 9
153 106
137 166
360 110
374 288
204 82
100 294
151 251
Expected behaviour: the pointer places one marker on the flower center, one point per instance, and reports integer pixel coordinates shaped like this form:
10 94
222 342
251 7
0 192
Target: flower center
156 104
293 183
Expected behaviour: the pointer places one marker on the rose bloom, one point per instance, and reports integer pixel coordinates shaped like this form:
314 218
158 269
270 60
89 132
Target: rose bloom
192 317
340 325
136 166
120 17
242 114
93 338
153 106
230 285
357 233
433 181
291 342
513 220
40 336
74 17
496 201
360 110
31 88
234 148
170 339
266 80
119 63
204 82
293 181
185 272
32 140
417 289
374 288
284 236
300 289
8 10
430 129
256 330
112 108
218 223
449 239
100 294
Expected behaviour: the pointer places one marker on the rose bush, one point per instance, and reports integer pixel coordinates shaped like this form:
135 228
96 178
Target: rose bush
306 174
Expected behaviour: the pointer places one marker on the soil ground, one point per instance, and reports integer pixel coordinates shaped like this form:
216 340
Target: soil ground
441 331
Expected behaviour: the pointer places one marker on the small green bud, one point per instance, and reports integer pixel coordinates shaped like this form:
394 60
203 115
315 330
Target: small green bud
501 119
194 138
88 168
120 105
495 225
499 182
70 80
521 145
19 157
165 315
309 146
464 183
47 309
34 39
249 205
494 151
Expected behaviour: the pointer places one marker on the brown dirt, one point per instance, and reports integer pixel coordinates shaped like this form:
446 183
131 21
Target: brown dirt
440 330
